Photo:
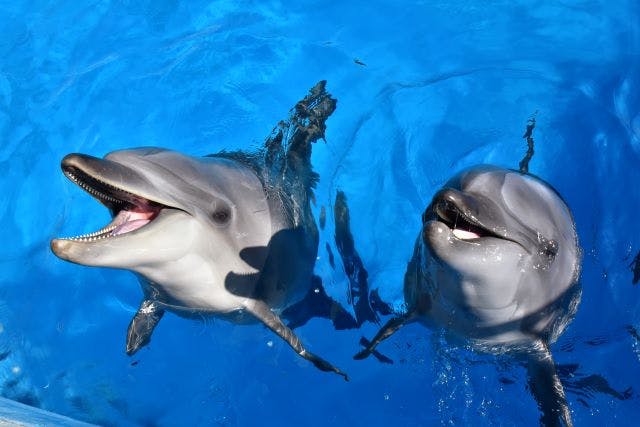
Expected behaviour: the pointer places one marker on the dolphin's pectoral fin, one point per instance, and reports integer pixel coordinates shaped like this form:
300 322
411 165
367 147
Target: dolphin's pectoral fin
263 313
318 304
546 387
142 325
387 330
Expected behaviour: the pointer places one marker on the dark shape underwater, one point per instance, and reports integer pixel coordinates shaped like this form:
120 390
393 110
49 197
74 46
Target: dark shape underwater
635 269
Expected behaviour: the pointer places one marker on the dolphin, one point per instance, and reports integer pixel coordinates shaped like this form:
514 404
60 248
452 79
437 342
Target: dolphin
229 235
497 264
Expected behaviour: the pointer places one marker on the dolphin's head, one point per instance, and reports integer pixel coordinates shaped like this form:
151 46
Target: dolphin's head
175 218
500 248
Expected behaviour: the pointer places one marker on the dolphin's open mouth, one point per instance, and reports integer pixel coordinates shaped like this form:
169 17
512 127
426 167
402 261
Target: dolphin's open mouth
129 211
463 227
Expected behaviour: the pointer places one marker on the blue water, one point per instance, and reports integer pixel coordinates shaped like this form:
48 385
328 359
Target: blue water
444 85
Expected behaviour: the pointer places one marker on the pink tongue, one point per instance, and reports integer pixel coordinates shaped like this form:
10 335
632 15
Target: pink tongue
129 221
129 226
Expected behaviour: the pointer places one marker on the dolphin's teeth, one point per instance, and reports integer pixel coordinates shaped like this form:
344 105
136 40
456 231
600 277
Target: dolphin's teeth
141 216
96 235
97 193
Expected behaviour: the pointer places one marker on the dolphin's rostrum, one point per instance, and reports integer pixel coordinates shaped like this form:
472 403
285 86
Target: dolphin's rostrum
230 235
497 263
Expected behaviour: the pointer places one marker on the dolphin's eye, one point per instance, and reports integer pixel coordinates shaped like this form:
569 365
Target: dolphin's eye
221 216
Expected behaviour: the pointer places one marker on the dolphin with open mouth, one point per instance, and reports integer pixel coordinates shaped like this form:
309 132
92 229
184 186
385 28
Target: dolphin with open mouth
230 235
497 264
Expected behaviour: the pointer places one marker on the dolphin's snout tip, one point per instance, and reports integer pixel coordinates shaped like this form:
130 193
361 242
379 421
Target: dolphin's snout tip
58 246
80 161
69 160
451 195
434 230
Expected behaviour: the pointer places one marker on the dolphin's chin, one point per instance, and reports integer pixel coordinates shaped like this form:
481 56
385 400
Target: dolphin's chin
129 244
124 221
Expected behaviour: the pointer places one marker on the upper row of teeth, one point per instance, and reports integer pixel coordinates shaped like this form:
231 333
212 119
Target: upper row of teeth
95 192
100 234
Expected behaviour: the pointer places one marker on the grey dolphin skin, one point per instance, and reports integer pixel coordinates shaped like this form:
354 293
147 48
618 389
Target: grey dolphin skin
497 263
229 235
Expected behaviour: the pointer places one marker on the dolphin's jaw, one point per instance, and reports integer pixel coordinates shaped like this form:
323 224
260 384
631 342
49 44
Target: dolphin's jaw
130 212
463 224
463 227
124 222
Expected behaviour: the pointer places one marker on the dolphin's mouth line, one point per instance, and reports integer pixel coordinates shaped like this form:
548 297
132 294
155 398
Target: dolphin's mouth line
130 212
462 226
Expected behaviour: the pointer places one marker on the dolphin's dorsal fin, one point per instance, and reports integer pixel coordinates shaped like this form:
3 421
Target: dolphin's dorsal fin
284 163
546 387
289 145
528 135
287 151
263 313
142 325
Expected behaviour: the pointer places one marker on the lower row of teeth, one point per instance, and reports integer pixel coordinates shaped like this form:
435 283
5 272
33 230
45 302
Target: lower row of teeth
100 234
